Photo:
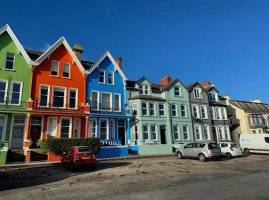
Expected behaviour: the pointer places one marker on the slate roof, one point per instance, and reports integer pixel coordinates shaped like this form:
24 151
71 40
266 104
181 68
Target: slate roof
251 107
147 97
192 85
36 54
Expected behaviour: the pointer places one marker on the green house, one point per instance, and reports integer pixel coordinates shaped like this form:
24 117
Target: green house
15 84
161 117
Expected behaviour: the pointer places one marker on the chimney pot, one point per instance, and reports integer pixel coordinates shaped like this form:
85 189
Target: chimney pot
165 80
205 84
78 50
119 62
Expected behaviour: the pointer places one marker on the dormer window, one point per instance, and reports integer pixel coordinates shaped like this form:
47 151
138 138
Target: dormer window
54 68
213 97
10 61
197 93
101 76
177 91
111 77
143 89
66 70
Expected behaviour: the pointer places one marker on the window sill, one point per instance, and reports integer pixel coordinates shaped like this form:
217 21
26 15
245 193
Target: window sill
58 107
14 104
102 83
11 70
43 106
111 84
55 76
67 78
72 108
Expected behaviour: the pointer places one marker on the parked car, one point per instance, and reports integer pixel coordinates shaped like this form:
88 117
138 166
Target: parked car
79 156
230 149
200 150
256 143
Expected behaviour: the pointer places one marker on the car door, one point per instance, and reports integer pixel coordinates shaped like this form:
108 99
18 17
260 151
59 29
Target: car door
188 150
195 150
68 156
224 148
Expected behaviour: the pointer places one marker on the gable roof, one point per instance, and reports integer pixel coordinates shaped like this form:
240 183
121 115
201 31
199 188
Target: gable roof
55 46
211 88
143 78
106 54
252 107
192 85
16 41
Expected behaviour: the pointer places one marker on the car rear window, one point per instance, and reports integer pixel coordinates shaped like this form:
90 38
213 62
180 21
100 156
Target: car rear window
266 139
84 150
213 145
234 145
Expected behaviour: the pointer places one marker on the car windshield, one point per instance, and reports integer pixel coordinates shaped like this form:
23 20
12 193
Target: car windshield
84 150
234 145
213 145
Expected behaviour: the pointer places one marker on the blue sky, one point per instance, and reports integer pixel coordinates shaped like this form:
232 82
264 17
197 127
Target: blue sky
225 42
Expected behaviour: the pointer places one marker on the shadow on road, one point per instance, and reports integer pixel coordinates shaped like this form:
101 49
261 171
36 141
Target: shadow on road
32 176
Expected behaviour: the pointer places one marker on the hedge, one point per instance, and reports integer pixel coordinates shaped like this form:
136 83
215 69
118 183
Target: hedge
60 145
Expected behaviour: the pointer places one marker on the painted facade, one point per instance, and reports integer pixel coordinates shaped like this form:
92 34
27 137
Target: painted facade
57 106
247 117
15 82
218 114
161 117
201 119
105 93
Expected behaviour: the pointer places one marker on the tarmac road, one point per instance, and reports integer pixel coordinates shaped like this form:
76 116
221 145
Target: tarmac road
152 178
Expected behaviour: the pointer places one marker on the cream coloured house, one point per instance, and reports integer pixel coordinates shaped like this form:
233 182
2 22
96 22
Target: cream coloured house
247 117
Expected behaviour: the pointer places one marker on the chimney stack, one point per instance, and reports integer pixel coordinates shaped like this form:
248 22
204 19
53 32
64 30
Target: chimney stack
165 80
256 100
205 84
119 62
78 50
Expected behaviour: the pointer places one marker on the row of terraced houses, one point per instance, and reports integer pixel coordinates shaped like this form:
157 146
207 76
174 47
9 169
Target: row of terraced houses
55 94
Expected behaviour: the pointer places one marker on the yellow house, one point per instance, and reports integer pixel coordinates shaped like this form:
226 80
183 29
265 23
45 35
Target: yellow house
247 117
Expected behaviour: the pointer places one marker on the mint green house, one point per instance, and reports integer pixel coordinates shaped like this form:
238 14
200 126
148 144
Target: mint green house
161 117
15 84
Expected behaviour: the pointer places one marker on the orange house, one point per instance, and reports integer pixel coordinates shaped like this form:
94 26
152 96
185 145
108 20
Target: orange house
57 100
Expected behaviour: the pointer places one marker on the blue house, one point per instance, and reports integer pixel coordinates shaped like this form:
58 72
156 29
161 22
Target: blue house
109 117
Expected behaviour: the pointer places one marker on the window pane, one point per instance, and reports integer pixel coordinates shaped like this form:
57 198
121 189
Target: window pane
116 102
72 99
106 101
94 100
58 97
9 61
54 68
66 70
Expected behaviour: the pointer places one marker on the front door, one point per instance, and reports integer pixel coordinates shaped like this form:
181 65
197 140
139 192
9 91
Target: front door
77 123
163 135
121 131
18 130
35 130
214 132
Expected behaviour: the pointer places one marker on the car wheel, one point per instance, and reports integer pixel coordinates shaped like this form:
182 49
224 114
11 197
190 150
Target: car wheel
179 155
246 151
201 157
228 155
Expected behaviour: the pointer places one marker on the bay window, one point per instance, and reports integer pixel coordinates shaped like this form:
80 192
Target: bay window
58 97
44 96
15 93
106 101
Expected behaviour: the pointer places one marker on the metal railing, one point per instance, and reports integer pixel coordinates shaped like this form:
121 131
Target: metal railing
110 142
107 110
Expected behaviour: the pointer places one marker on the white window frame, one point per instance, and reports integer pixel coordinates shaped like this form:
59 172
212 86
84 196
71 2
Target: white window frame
150 109
98 100
90 134
69 67
145 132
178 133
48 97
135 133
222 132
187 128
70 126
104 78
112 129
199 93
174 110
64 106
11 89
185 109
111 72
200 132
76 103
107 128
3 136
57 68
179 91
205 109
207 127
228 132
117 94
6 89
110 107
160 110
213 112
142 108
143 89
6 62
79 127
135 109
216 96
155 127
56 124
217 113
224 112
197 110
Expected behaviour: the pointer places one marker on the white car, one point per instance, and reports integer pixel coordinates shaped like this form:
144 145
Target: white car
230 149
